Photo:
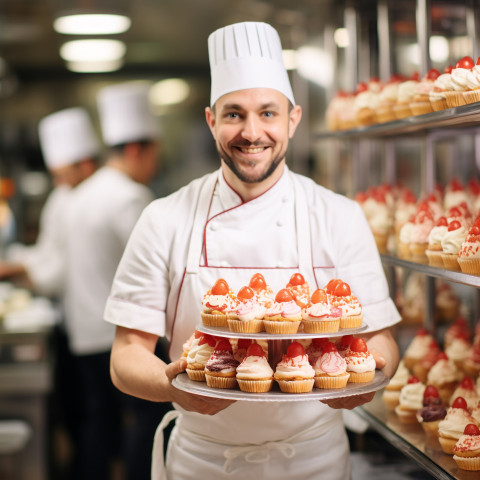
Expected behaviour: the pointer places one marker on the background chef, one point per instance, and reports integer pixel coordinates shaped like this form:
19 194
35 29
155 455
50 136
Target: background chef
71 152
253 215
102 213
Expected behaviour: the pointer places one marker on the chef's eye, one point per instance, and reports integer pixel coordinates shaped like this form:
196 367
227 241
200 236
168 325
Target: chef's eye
268 114
232 115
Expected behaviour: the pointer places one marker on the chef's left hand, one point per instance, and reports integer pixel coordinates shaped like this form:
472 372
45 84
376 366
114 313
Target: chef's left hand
356 400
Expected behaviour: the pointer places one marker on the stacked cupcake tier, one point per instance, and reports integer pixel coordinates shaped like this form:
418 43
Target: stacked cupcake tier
182 382
226 332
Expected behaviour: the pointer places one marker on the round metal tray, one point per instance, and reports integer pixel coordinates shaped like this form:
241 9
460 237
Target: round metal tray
182 382
226 332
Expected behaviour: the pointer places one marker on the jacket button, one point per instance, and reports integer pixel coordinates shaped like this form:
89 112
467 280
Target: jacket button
279 223
213 227
284 199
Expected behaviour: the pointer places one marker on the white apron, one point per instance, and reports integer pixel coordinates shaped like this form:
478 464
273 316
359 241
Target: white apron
286 440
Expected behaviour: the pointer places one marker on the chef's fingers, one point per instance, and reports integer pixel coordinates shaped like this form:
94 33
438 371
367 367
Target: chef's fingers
174 368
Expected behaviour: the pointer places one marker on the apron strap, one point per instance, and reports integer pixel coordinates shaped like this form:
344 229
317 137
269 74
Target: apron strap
159 471
304 239
199 221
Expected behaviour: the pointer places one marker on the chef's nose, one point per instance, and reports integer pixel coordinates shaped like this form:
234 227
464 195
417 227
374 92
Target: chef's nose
251 128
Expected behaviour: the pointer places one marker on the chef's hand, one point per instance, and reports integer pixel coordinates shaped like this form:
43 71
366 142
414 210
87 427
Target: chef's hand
356 400
192 402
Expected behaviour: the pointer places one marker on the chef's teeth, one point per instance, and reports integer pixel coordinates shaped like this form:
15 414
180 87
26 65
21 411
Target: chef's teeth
252 150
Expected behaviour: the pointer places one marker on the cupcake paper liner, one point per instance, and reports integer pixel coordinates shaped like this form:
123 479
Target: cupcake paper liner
435 258
405 415
329 381
353 321
196 375
468 463
439 104
281 326
472 96
469 265
250 326
214 320
296 386
420 108
447 444
321 326
363 377
402 110
220 382
450 261
391 398
255 386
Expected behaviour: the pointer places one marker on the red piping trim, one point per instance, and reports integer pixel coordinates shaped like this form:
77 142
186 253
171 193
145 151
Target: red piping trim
175 315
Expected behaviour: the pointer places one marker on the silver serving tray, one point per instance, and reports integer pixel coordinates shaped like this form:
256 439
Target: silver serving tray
182 382
226 332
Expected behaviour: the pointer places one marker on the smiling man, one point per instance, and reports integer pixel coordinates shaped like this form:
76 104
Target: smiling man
251 216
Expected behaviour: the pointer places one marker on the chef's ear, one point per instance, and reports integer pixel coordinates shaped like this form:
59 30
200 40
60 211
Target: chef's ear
294 117
210 117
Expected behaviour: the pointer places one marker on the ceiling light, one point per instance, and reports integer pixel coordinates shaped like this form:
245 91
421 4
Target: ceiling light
315 65
95 67
340 35
92 50
168 92
439 49
92 24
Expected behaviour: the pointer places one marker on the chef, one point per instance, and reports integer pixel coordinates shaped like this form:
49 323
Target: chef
252 215
71 151
102 213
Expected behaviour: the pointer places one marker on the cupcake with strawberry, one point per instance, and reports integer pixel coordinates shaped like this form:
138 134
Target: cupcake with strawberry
422 366
263 292
458 84
420 103
451 428
284 316
451 244
240 348
469 255
432 412
198 355
466 451
298 287
315 349
221 367
445 376
437 93
360 362
343 344
254 374
217 303
467 390
406 92
472 94
434 249
247 315
417 348
320 316
293 373
331 368
340 296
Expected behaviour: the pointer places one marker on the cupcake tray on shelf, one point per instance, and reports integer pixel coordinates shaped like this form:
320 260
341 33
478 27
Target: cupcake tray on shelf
225 331
182 382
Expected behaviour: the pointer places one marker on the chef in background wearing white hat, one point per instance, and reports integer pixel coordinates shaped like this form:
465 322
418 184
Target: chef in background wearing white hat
252 215
71 152
102 213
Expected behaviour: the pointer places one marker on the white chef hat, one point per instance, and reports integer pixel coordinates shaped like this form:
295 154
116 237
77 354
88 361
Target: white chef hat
66 137
126 114
246 55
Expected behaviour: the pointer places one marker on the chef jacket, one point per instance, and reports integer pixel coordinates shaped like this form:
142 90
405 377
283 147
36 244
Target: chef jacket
242 238
45 260
103 210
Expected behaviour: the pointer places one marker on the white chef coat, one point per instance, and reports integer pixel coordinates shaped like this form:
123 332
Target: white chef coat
103 210
45 260
167 268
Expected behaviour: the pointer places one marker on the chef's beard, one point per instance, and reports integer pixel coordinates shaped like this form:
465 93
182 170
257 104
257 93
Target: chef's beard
243 176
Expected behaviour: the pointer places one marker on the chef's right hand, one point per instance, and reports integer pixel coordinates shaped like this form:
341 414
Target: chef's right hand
190 401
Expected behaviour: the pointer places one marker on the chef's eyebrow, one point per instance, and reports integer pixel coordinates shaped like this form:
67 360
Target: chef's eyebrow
265 106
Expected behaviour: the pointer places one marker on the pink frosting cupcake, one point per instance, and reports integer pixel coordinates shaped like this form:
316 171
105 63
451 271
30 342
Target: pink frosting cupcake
284 316
331 368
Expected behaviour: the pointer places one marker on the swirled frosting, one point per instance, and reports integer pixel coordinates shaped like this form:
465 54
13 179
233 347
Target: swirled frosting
460 79
288 310
360 362
457 350
406 91
454 423
331 363
247 310
254 368
321 311
473 78
411 396
400 377
444 371
222 361
406 232
452 241
436 235
294 367
419 346
439 86
199 353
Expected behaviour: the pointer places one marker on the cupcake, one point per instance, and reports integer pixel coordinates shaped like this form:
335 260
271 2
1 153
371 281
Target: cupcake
406 93
360 362
220 369
420 103
444 375
387 98
437 93
293 373
331 368
263 292
340 296
434 249
284 316
315 349
343 344
217 303
247 315
240 349
459 328
472 94
466 389
334 110
391 393
451 243
458 84
458 350
366 102
466 451
417 348
422 366
432 411
320 316
454 196
298 287
405 238
410 400
451 428
200 351
471 365
419 239
254 374
469 255
187 345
